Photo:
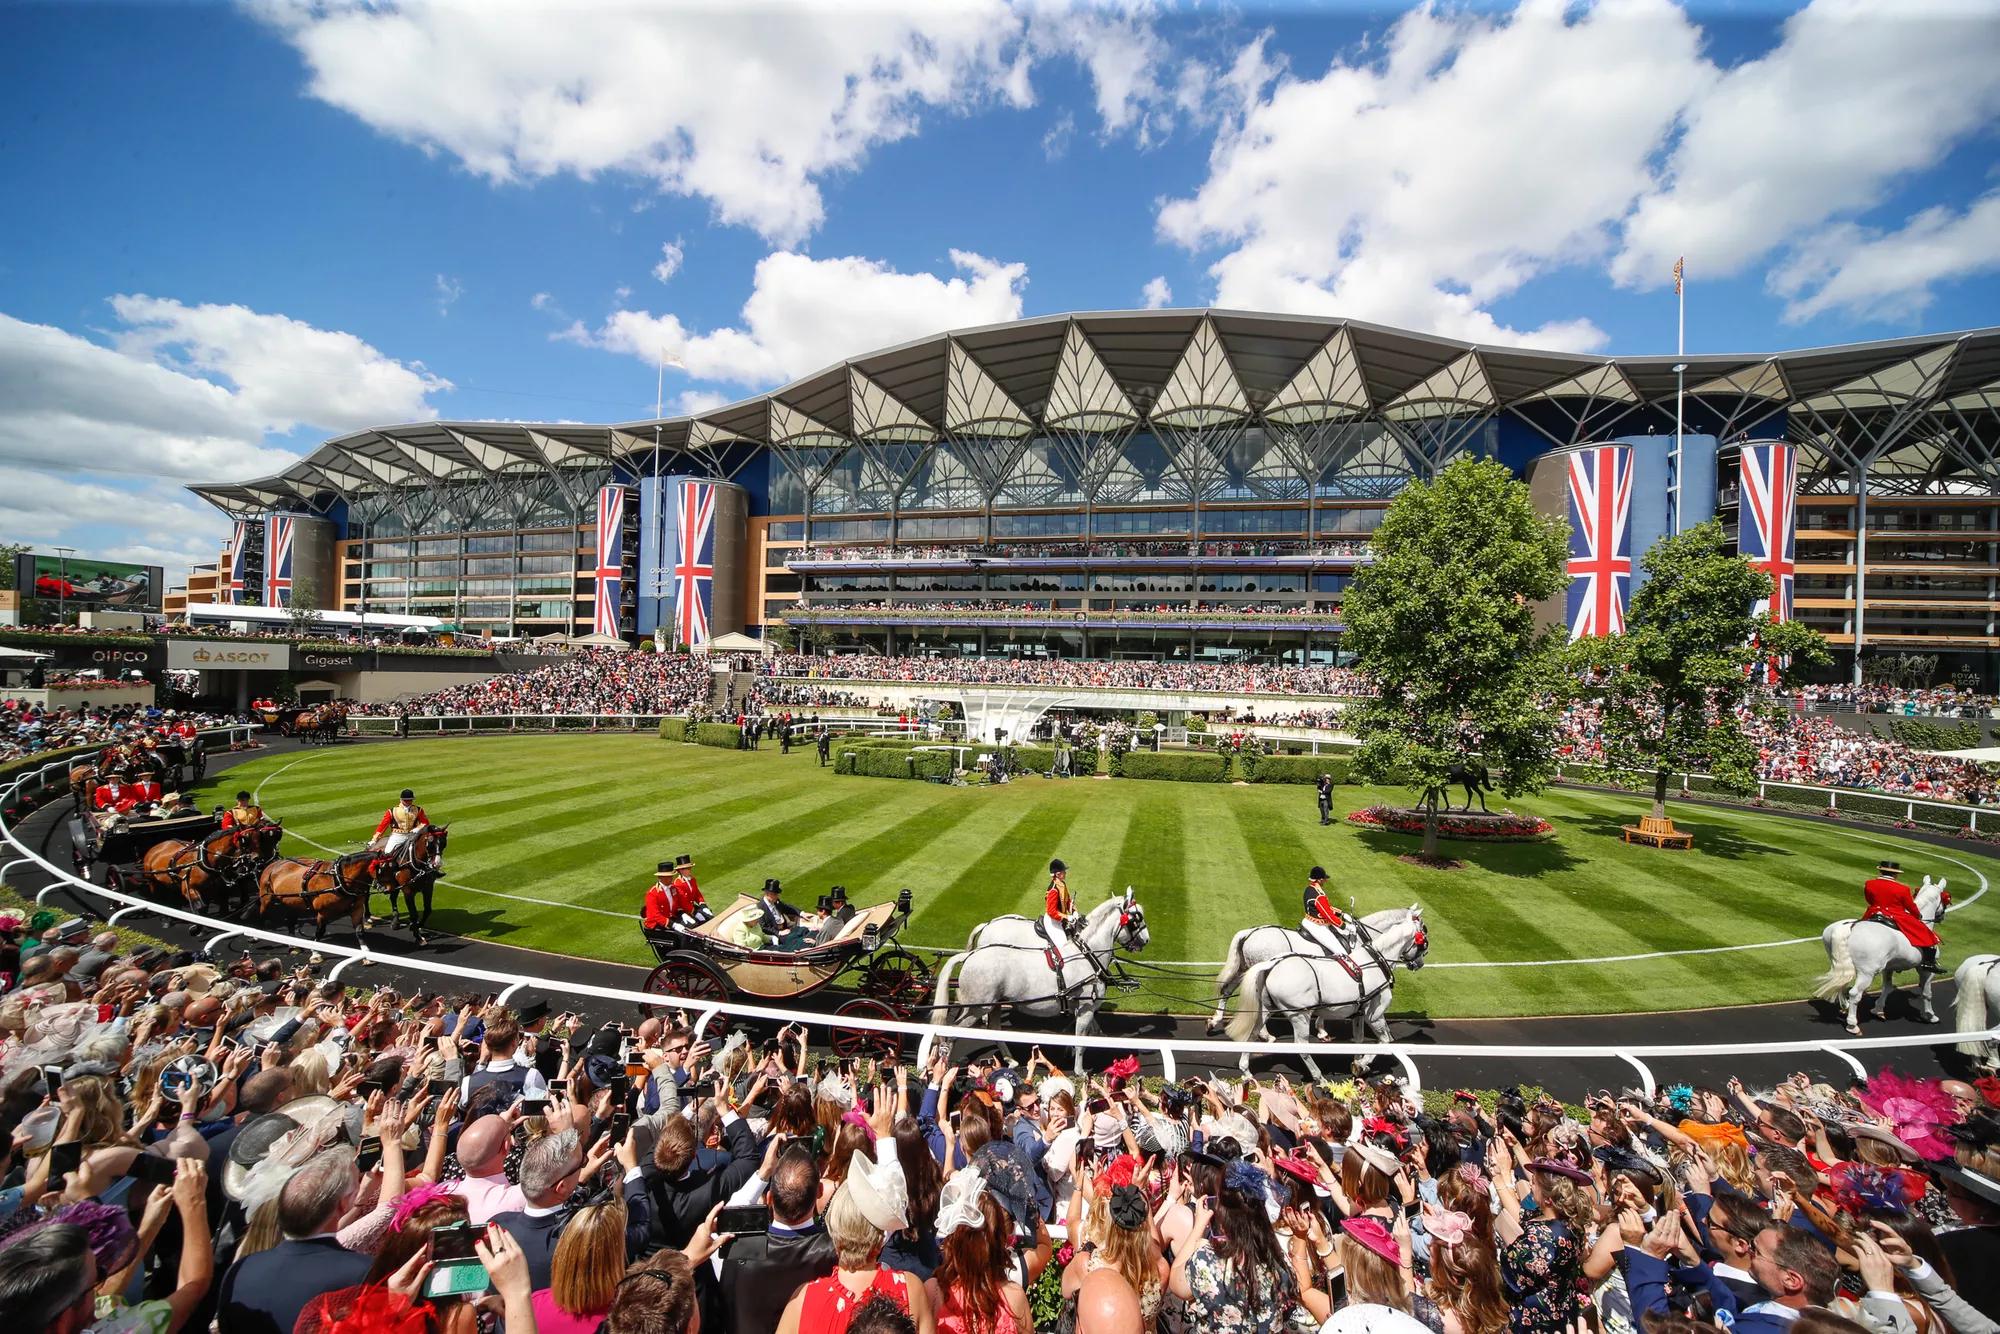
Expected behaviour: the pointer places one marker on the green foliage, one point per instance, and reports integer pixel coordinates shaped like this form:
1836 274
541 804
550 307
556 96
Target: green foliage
1196 723
1294 768
723 736
1443 621
9 550
1930 734
1671 685
41 639
891 757
301 614
673 729
1146 720
1036 759
1173 766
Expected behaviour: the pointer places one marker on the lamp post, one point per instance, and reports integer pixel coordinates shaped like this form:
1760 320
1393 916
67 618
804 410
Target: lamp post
62 584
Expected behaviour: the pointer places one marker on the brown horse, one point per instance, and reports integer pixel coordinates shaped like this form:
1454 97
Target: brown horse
413 869
202 870
325 889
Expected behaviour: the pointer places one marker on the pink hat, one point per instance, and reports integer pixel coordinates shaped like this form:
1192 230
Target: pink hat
1373 1233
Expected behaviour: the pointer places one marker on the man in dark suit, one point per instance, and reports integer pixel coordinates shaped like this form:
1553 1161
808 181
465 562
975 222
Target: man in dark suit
1325 786
681 1192
779 919
264 1293
550 1167
760 1273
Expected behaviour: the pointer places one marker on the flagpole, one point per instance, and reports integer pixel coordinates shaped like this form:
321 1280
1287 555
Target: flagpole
1680 386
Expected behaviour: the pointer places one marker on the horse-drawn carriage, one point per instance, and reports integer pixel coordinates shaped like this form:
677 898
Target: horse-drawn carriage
315 724
706 962
119 848
170 761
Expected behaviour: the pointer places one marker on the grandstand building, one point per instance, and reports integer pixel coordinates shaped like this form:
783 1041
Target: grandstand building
1157 484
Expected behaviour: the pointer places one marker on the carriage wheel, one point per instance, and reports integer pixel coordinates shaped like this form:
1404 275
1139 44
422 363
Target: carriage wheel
685 975
851 1042
898 978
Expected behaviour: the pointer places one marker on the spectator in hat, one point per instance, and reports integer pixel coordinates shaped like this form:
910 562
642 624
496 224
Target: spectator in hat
872 1201
264 1293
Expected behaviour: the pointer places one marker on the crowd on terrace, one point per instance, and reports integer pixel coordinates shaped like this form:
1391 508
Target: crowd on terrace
250 1147
29 729
1089 672
1338 548
1911 701
588 681
913 608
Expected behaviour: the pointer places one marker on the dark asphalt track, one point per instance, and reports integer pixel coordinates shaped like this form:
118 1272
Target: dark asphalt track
1568 1076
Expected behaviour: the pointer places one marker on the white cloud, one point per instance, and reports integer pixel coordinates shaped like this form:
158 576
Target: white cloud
670 261
1856 97
542 301
694 402
1441 171
1157 294
747 106
95 440
1870 274
1055 140
449 290
805 313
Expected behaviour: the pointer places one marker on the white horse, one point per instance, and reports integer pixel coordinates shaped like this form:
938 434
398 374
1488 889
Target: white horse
1267 944
1015 929
1308 989
1857 949
1000 972
1978 981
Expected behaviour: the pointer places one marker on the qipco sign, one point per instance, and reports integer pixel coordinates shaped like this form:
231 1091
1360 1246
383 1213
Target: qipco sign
111 660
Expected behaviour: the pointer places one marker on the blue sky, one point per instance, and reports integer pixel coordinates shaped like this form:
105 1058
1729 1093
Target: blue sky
237 230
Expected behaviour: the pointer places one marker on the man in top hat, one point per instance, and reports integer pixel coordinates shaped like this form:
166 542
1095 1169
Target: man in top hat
659 910
245 814
783 924
689 906
1325 788
1058 908
1893 902
1325 925
399 824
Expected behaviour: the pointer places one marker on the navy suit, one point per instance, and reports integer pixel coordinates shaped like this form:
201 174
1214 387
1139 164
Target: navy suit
264 1293
537 1234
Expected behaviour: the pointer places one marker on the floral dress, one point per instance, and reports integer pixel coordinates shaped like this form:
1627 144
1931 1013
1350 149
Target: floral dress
1222 1301
1542 1272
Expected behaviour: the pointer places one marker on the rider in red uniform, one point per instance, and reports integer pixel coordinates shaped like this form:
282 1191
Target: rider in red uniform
1058 907
659 900
1893 902
1324 924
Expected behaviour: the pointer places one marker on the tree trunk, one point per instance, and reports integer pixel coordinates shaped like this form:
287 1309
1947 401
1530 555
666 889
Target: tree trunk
1660 793
1430 848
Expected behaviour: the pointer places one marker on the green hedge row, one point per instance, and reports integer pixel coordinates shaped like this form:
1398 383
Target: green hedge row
1037 759
1293 768
725 736
893 761
1172 766
673 729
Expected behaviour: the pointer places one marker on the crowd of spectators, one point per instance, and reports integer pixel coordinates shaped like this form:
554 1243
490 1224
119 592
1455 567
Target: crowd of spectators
1338 547
1119 673
261 1151
913 609
1910 701
588 681
30 729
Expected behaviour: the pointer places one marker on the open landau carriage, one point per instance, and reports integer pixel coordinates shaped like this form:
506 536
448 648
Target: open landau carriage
122 846
706 962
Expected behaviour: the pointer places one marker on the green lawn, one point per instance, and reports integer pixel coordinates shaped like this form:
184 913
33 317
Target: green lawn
580 820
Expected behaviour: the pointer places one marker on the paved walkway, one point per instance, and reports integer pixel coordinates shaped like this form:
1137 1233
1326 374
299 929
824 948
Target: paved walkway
1798 1021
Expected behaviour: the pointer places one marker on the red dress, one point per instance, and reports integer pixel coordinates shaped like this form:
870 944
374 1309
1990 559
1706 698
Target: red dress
828 1304
1894 902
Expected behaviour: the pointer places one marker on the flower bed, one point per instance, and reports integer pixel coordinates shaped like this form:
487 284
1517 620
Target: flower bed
1502 827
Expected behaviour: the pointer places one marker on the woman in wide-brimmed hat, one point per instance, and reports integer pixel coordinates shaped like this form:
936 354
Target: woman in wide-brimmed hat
1541 1254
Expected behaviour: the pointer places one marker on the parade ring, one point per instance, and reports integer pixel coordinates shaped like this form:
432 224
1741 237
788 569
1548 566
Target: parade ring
555 837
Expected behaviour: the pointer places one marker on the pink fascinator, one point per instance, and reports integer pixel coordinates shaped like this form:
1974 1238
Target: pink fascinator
1448 1226
409 1203
1371 1232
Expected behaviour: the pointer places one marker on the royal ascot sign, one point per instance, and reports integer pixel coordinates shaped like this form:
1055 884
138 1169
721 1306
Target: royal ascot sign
185 655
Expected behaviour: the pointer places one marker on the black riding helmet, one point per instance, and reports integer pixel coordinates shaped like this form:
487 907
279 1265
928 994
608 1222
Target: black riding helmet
1056 866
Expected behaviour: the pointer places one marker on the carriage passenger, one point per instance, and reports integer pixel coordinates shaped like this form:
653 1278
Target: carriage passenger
784 925
1324 925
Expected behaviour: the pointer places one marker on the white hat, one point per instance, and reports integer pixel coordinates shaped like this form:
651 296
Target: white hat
1053 1085
958 1203
878 1191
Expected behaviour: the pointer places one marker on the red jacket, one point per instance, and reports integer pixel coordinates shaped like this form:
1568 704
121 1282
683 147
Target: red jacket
125 798
1060 904
389 818
686 894
1326 912
1894 902
659 906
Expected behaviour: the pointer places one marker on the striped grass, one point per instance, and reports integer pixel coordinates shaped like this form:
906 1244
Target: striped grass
581 820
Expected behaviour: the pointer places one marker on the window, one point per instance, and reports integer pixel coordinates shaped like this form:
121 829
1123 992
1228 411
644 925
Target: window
1350 520
545 565
851 530
964 528
1121 523
1253 521
490 565
562 541
789 531
489 544
1038 525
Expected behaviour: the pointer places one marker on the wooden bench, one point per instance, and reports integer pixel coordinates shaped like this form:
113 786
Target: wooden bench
1658 831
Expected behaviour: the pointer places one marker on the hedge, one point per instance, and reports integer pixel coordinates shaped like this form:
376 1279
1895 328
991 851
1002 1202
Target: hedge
724 735
1177 767
673 729
1293 768
894 762
1037 759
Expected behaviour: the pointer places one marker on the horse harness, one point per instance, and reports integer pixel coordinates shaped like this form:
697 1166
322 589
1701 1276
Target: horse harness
320 867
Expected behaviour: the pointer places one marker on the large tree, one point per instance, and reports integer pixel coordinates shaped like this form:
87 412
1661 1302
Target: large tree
1443 621
1691 657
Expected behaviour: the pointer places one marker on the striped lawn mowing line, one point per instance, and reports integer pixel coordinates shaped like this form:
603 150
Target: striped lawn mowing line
1154 850
982 891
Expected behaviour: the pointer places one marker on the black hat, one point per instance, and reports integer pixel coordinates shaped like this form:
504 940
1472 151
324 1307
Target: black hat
683 860
666 866
1891 867
838 894
1317 873
773 887
243 796
534 1012
408 793
1056 866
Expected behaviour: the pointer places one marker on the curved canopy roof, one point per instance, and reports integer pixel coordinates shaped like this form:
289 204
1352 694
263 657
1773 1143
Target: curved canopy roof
1186 371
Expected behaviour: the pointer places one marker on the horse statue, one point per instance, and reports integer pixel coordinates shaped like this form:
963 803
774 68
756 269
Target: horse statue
1309 989
414 869
1857 949
1472 775
1978 981
1268 944
324 889
1001 970
202 870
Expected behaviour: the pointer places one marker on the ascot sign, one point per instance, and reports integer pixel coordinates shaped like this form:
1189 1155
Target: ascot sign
187 656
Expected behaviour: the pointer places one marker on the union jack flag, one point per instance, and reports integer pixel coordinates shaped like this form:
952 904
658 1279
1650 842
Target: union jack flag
1767 532
239 561
278 560
610 558
1600 539
694 562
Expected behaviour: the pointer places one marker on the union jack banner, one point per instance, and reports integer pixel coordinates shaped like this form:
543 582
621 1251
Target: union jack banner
610 558
1600 540
239 562
694 562
1767 529
278 560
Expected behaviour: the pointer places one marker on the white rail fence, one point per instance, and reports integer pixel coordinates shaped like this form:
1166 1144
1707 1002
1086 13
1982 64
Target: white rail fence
1947 815
473 724
1168 1051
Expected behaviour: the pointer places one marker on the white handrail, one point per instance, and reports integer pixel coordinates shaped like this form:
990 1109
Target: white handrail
1909 803
1165 1048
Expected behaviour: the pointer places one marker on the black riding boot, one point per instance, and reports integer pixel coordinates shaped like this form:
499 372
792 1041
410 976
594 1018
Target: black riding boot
1929 960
